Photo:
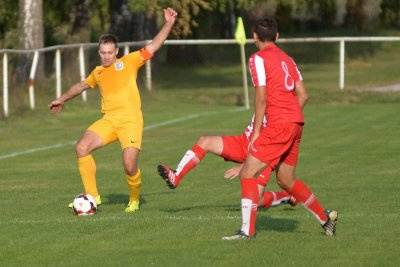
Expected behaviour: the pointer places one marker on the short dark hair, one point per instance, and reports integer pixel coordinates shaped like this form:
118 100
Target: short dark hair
108 38
266 29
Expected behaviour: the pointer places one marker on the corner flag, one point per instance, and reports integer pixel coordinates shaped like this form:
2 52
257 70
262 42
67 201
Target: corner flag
240 34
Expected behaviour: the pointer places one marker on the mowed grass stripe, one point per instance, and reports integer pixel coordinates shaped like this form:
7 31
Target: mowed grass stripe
150 127
348 157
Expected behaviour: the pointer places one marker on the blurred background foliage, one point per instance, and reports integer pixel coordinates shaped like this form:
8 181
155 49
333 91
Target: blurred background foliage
80 21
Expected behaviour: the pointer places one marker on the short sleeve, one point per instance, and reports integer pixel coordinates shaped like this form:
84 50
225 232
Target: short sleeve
90 80
146 55
135 59
257 71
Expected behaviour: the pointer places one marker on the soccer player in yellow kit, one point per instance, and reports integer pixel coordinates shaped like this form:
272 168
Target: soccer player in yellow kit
121 105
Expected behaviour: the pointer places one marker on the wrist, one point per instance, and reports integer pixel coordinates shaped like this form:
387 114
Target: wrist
169 23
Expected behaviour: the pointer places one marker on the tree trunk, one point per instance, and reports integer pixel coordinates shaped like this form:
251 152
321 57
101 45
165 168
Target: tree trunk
30 24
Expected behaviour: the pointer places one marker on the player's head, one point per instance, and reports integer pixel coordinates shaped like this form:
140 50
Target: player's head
265 30
108 49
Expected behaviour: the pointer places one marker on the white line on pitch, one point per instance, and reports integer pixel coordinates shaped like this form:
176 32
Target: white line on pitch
150 127
101 218
98 218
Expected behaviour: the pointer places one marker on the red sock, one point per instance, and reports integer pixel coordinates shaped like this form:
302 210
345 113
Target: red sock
275 198
191 159
268 198
249 205
304 195
264 177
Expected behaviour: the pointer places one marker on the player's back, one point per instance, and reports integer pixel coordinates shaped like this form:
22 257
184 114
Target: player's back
273 68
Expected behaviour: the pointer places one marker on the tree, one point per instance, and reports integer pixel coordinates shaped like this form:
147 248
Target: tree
130 24
31 24
30 28
8 22
80 27
187 10
390 15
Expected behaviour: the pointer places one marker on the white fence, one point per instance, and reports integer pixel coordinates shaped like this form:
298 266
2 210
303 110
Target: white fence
148 69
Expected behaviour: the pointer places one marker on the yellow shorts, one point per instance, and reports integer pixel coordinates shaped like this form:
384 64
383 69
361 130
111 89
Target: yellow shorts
129 134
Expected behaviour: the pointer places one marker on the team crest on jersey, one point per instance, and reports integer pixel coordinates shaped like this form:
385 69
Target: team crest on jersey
119 66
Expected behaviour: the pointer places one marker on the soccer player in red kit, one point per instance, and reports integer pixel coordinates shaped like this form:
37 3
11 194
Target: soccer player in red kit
231 148
277 83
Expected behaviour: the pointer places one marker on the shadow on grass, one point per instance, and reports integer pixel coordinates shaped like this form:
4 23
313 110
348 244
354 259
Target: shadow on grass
120 199
266 223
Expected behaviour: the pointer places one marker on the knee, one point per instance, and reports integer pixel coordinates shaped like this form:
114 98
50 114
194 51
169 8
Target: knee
130 169
285 184
281 184
203 142
245 174
81 149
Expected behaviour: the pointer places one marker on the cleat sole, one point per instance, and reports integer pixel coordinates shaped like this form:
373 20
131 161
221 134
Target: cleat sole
164 175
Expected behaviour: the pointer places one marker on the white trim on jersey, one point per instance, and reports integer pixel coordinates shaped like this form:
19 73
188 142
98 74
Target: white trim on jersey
260 71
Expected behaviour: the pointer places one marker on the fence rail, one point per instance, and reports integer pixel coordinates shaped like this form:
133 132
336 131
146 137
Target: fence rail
148 69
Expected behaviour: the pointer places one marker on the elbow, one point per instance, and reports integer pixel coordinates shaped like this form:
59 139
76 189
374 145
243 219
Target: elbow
305 98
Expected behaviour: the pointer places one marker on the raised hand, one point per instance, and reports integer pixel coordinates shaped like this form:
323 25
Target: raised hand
170 15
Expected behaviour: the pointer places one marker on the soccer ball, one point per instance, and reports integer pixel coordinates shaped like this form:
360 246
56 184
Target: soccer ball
84 204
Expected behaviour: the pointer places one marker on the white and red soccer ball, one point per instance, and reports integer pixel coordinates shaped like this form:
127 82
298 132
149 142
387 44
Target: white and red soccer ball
84 204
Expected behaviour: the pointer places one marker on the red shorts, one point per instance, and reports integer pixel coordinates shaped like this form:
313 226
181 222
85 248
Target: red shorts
278 143
235 149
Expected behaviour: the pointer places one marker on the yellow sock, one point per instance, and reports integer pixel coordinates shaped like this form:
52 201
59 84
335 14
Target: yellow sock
134 184
87 169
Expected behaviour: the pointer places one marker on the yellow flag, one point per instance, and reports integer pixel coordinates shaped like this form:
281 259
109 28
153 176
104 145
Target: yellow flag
240 33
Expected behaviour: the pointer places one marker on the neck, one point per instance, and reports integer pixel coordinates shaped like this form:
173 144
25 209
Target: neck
263 45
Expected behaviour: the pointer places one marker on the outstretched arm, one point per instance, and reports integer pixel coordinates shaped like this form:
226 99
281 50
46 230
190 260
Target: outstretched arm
156 43
76 89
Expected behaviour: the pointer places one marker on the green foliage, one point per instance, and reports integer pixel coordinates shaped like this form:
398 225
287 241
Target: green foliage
187 10
8 22
390 15
208 18
56 18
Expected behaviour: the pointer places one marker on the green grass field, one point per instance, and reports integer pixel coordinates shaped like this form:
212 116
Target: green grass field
349 157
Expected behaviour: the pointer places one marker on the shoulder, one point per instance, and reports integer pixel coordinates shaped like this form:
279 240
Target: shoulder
97 69
256 59
131 56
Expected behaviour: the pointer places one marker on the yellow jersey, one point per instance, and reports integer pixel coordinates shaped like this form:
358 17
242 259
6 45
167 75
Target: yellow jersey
120 98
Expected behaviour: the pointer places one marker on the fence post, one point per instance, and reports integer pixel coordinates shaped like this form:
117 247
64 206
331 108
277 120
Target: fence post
58 73
244 74
341 65
82 70
32 79
5 84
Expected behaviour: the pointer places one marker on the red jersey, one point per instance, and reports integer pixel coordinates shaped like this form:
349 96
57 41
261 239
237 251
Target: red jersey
273 68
